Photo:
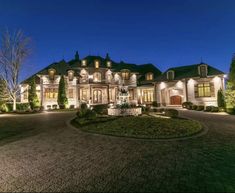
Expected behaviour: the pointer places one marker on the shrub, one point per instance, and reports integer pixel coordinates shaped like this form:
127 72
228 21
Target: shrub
173 113
155 104
200 108
62 99
100 109
194 107
231 111
33 98
222 109
215 109
208 108
54 106
3 107
90 114
220 98
82 110
187 105
22 106
72 106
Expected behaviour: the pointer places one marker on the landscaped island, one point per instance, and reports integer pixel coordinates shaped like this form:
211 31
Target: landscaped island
142 127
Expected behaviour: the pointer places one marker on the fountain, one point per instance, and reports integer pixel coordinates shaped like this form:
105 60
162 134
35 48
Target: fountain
123 108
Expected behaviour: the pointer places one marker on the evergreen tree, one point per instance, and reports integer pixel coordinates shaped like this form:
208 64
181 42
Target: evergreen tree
62 99
32 97
230 87
220 99
3 96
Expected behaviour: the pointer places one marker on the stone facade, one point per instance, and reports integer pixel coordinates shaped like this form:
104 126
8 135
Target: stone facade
96 80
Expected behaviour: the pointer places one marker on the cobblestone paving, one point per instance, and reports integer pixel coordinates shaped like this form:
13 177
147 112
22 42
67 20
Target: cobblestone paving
59 158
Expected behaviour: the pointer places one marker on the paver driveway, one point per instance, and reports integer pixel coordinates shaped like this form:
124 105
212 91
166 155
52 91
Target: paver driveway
58 158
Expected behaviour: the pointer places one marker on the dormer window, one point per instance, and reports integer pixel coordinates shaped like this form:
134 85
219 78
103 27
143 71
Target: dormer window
170 75
125 74
97 64
109 64
202 70
149 76
83 62
51 73
70 75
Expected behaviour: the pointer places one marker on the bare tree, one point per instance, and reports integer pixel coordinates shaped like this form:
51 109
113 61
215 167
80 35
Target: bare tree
13 52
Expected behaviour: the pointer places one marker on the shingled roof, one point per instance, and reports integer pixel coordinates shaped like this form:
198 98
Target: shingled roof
62 67
189 71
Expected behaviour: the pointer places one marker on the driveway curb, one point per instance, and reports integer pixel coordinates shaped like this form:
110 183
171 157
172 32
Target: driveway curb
199 134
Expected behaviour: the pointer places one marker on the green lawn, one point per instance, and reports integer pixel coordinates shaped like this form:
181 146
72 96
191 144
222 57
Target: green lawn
144 127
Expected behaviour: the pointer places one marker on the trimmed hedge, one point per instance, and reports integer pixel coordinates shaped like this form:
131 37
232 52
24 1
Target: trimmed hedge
101 109
19 106
173 113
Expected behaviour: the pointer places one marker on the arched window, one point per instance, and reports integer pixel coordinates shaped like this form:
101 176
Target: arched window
51 73
84 75
149 76
97 77
109 76
97 64
70 75
109 64
125 74
83 62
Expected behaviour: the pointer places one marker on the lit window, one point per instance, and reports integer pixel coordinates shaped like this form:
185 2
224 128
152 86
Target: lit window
109 64
204 90
170 75
97 65
83 62
70 93
25 96
203 70
70 75
51 93
51 74
84 94
97 77
149 76
147 95
125 75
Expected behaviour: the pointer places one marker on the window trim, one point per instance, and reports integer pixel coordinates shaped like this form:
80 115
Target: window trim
148 75
199 70
203 87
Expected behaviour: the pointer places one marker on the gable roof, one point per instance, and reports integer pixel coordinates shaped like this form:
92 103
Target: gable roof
189 71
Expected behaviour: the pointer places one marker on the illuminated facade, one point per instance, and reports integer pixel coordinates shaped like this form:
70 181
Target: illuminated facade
95 80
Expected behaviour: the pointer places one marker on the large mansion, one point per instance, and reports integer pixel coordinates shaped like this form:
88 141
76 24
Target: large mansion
96 80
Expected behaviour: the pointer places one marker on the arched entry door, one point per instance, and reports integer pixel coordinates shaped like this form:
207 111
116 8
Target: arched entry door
97 96
176 100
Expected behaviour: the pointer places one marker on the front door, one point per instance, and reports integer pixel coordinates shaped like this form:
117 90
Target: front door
176 100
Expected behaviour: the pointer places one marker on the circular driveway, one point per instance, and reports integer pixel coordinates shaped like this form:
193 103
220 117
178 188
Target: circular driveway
58 158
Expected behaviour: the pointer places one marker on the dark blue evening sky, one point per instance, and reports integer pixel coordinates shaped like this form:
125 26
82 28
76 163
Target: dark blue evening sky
166 33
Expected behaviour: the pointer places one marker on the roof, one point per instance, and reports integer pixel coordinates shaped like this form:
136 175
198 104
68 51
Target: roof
62 67
189 71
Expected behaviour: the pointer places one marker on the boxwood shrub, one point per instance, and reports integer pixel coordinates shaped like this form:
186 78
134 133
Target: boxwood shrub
200 108
208 108
171 113
101 109
214 109
194 107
